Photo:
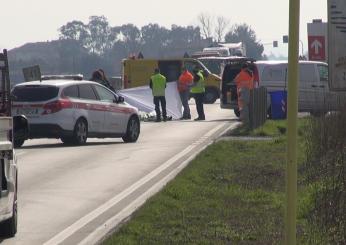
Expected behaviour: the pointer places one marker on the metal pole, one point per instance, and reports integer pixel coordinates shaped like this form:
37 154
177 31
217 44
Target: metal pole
293 76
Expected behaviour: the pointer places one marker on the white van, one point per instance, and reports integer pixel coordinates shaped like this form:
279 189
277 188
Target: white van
314 94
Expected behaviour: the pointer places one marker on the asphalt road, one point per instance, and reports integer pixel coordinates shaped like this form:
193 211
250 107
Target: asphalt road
75 195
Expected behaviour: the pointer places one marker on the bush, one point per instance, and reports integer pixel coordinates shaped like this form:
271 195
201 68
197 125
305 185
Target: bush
325 172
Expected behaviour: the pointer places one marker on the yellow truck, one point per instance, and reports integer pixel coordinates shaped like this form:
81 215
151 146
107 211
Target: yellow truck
137 72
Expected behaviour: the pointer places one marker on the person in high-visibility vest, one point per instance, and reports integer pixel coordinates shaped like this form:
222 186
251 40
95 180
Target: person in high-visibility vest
158 87
244 79
198 90
184 83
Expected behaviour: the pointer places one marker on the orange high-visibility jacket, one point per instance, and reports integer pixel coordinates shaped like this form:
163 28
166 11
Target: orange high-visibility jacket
244 79
185 80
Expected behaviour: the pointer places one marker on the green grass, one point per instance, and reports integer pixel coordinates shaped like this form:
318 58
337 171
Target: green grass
232 193
270 129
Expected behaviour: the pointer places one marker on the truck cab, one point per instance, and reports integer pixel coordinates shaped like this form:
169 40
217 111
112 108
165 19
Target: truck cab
8 164
137 72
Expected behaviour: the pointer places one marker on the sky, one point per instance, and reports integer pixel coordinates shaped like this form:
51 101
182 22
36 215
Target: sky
24 21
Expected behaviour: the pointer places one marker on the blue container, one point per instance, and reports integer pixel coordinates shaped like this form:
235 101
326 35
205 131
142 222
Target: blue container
278 104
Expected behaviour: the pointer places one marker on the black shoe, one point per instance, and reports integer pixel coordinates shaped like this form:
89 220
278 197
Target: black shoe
158 120
165 119
199 119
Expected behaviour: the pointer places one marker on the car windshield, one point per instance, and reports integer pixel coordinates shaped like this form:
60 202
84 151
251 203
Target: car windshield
34 93
214 65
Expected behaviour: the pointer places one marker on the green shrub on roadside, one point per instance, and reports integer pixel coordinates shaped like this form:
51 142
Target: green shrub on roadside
325 174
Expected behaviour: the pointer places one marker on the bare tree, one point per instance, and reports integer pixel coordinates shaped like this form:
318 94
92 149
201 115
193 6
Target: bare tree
206 24
220 27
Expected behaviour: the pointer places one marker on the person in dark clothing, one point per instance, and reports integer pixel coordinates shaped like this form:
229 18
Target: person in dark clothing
198 91
158 87
100 77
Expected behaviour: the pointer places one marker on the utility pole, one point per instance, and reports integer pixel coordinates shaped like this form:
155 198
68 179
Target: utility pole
293 76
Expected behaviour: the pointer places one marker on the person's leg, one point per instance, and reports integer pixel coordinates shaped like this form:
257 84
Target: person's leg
186 105
184 96
157 108
163 106
199 106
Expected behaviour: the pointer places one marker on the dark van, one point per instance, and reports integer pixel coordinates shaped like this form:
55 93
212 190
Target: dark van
228 95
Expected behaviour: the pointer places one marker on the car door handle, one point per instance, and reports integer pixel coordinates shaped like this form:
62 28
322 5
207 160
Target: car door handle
314 86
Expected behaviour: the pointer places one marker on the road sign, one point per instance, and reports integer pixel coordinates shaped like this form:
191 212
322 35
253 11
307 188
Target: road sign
317 48
317 40
337 45
32 73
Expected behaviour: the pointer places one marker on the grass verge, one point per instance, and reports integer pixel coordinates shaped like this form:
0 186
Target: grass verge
232 193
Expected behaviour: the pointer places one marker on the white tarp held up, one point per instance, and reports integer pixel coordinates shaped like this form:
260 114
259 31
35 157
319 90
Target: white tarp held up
142 98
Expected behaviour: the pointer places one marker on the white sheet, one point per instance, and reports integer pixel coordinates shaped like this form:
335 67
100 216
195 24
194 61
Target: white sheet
142 98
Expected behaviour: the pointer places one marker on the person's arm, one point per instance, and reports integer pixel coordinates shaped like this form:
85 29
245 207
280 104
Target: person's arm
196 78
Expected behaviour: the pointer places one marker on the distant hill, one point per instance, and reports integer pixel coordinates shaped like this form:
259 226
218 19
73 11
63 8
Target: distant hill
54 57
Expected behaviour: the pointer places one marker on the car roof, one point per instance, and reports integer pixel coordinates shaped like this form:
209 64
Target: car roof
278 62
57 83
225 58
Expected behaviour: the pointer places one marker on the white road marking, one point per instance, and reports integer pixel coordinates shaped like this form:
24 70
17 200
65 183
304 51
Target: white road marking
60 237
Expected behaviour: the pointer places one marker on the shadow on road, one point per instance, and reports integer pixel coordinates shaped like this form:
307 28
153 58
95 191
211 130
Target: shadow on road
61 145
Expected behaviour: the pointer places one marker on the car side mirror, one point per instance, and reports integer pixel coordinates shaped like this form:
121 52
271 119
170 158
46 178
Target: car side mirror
120 99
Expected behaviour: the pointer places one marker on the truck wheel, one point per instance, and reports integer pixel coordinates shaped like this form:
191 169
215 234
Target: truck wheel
18 143
236 112
80 132
210 96
8 228
132 131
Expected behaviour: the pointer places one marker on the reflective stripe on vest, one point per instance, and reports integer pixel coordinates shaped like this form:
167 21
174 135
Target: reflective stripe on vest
158 85
199 86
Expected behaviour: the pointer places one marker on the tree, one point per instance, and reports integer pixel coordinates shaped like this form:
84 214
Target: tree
100 33
75 30
131 36
220 27
154 40
244 33
206 24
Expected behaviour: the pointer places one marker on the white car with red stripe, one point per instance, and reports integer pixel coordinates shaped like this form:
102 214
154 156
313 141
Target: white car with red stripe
74 110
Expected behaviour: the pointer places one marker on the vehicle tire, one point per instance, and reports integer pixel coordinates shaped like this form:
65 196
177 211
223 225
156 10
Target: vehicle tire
18 143
80 132
132 131
66 140
236 112
8 228
210 96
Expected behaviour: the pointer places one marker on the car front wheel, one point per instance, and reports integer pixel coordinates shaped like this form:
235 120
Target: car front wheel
80 132
236 112
132 131
18 143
